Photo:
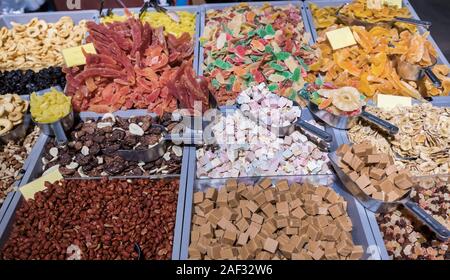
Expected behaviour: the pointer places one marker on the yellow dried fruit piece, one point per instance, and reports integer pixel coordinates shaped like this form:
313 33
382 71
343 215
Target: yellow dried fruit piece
50 107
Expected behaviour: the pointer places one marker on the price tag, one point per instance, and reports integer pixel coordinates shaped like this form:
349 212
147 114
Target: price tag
390 101
395 3
74 56
341 38
38 185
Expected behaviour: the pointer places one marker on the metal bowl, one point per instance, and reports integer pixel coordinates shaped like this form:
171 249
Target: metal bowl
58 128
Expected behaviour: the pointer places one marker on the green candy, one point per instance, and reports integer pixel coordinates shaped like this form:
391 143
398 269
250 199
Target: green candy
222 64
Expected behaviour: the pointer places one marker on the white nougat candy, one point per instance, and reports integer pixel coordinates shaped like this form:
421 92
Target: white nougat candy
287 154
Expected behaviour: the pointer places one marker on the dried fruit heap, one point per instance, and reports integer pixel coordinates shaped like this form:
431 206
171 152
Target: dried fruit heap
370 64
246 46
131 70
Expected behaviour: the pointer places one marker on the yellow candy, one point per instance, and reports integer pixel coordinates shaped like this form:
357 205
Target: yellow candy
156 19
50 107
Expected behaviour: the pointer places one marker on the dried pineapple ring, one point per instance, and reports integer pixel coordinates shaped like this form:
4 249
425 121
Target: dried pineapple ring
2 110
9 107
5 126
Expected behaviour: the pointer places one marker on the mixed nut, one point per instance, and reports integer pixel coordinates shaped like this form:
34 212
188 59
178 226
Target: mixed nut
12 158
95 220
91 150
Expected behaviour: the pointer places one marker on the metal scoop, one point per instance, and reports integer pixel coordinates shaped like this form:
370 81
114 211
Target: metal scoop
347 122
353 21
173 16
414 72
378 206
282 131
153 153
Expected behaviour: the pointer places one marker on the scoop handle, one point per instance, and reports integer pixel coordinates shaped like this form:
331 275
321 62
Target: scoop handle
433 78
426 24
442 233
322 134
59 132
390 128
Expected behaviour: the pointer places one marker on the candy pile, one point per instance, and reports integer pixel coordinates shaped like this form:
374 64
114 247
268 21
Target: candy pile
185 24
264 221
92 146
12 112
26 82
132 69
273 110
12 158
246 46
49 107
38 44
370 64
422 144
247 149
375 174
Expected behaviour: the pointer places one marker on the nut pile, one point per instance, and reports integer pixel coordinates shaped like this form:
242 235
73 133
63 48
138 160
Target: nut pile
247 149
26 82
99 220
92 146
422 144
289 221
38 44
375 174
12 112
272 109
12 158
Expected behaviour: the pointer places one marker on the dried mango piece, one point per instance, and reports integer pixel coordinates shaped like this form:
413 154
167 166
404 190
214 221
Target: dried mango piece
378 64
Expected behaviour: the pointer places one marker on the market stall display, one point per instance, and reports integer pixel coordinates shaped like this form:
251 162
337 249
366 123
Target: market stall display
372 65
247 45
421 146
405 237
38 44
116 217
12 160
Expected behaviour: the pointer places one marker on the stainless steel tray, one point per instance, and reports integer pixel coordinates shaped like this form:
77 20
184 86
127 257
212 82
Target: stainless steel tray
16 199
322 3
362 234
221 6
341 137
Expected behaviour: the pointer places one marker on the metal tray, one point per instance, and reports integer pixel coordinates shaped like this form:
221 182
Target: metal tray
362 234
76 16
341 137
322 3
16 199
35 168
192 9
306 115
221 6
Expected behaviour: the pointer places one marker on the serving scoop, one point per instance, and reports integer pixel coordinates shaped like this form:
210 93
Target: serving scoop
379 206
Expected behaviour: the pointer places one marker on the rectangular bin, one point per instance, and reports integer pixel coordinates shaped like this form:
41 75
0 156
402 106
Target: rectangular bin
341 137
336 3
361 233
16 200
49 17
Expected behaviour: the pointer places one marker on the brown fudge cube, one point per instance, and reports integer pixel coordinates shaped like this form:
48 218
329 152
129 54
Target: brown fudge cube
379 195
376 173
253 229
242 224
386 186
283 208
268 228
291 231
266 183
356 253
282 186
194 253
222 198
353 176
331 254
403 182
357 164
298 213
214 251
344 223
257 218
369 190
206 230
311 208
313 232
295 203
336 210
252 206
268 209
332 196
226 253
231 185
198 197
243 238
373 159
347 158
211 194
269 195
260 198
363 181
233 199
270 245
229 237
206 206
302 255
343 149
360 149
